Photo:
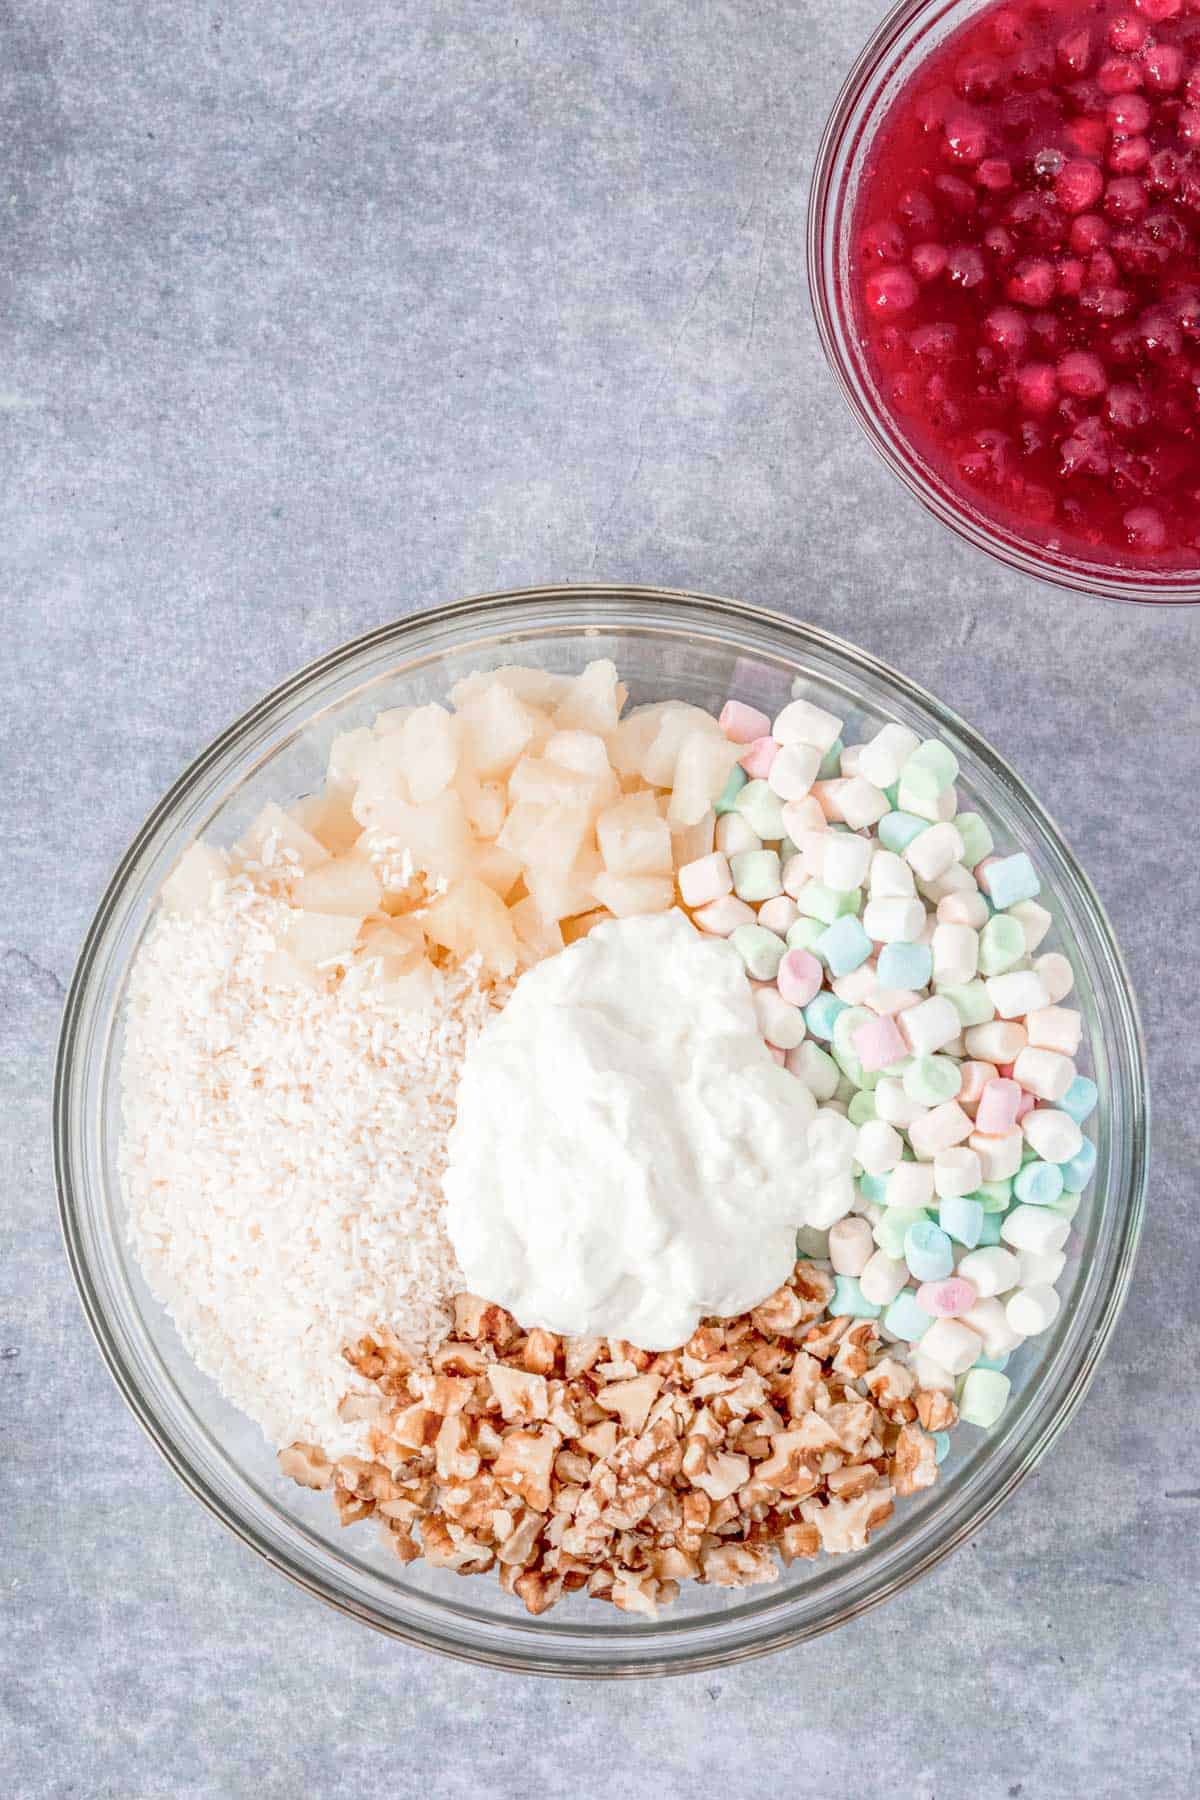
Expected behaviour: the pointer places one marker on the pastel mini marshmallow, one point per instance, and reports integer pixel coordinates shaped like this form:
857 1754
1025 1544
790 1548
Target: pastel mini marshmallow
801 722
955 954
799 977
959 908
989 1318
1038 1271
1034 921
1054 1135
851 1245
891 878
932 852
816 1069
735 834
1032 1310
953 1344
882 1279
1038 1228
1055 1028
721 918
929 1373
781 1024
878 1147
794 770
911 800
708 878
882 757
910 1184
893 920
861 803
940 1129
742 724
954 880
849 759
892 1001
1044 1073
759 758
996 1112
956 1171
992 1270
846 861
946 1299
929 1025
1016 993
856 987
999 1041
1058 977
975 1077
779 915
999 1157
878 1043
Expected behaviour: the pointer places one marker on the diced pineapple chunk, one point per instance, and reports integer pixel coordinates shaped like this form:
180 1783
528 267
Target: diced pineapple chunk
436 835
541 687
628 895
633 838
628 744
317 938
701 770
347 754
485 802
472 919
583 751
678 723
279 840
391 719
545 783
413 989
382 785
431 747
497 727
496 868
590 703
401 941
329 816
186 890
347 885
542 936
545 837
690 842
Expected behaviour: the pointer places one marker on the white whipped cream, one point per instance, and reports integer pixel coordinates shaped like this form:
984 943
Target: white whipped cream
628 1157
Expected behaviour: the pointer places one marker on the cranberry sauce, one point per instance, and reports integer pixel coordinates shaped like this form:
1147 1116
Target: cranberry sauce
1026 272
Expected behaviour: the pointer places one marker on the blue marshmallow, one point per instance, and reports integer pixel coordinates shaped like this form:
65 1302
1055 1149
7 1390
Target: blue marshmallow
928 1251
848 1297
905 966
961 1218
821 1015
905 1319
1012 878
1079 1171
845 946
1039 1184
898 829
1080 1099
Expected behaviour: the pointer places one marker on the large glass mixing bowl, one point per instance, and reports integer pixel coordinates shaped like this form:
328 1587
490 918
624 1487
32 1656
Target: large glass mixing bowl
664 644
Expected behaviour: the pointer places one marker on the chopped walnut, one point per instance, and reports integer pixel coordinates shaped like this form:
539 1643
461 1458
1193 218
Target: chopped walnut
914 1462
631 1400
937 1412
307 1465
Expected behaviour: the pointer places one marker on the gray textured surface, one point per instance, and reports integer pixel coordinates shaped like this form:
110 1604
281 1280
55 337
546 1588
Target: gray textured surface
314 314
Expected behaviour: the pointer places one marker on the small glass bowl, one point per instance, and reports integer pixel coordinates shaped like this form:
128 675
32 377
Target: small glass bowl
664 644
901 43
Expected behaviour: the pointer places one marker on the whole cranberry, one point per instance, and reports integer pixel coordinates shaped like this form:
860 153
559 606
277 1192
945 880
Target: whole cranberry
1129 156
927 261
1162 173
1161 334
1032 282
1088 136
1127 113
1144 528
918 212
1037 386
1126 407
931 108
1158 11
1126 32
1078 185
1089 232
979 78
890 291
1007 329
1074 50
1125 199
1070 276
1119 75
995 174
934 343
966 138
1168 229
1104 301
965 266
1037 219
884 242
999 245
1188 125
1164 68
1082 374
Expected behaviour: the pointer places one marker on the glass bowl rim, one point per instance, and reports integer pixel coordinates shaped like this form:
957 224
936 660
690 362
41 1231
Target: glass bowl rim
837 155
1073 1382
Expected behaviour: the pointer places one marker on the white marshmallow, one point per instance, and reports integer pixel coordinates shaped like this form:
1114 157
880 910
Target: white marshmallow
952 1344
878 1147
891 877
780 1023
996 1042
929 1025
1016 993
999 1157
861 803
882 1279
954 880
1034 921
778 915
1058 977
893 921
890 1001
857 987
1044 1073
816 1069
1032 1309
720 918
846 861
910 1184
1037 1228
801 722
1040 1271
990 1320
955 954
851 1245
882 758
931 1374
893 1105
1054 1135
707 879
735 835
931 853
956 1171
793 771
802 815
941 1128
990 1270
1055 1028
961 908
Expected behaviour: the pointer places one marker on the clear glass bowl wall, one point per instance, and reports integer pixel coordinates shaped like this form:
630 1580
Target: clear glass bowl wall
902 42
664 644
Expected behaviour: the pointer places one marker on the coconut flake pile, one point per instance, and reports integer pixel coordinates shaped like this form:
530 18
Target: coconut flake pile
282 1159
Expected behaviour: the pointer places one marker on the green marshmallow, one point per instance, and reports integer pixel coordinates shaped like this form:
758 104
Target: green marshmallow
844 1054
862 1108
931 762
727 799
756 875
760 950
889 1232
932 1080
994 1196
970 1000
762 810
816 901
977 839
803 934
1001 944
984 1397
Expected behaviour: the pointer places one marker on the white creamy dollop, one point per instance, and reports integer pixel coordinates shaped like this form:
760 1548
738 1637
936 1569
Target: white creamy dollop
628 1157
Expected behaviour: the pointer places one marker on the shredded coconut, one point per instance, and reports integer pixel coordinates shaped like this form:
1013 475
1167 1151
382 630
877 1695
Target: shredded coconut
282 1159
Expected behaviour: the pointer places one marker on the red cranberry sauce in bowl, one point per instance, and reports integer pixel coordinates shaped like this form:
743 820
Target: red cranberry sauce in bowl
1025 273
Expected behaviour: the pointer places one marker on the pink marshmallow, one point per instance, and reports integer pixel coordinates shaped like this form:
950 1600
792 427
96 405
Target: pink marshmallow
826 794
879 1042
800 816
708 878
1025 1105
800 977
758 757
998 1103
742 724
779 1055
975 1077
946 1299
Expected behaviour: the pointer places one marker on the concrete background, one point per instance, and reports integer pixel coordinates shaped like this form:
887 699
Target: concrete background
312 315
